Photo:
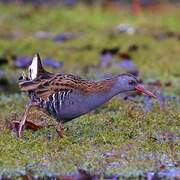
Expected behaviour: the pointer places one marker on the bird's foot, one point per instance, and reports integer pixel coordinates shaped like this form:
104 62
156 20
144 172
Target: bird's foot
21 127
24 117
60 130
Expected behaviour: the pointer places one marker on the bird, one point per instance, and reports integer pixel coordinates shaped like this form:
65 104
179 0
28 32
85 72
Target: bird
66 96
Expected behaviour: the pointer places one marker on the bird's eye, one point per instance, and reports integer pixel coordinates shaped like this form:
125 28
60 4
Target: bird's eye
131 82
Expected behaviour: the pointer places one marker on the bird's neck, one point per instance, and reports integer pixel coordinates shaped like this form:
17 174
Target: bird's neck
112 86
107 89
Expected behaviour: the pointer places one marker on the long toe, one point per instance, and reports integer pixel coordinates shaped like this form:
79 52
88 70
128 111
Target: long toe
60 130
21 126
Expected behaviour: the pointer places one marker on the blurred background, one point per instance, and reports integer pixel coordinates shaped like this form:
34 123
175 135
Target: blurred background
94 39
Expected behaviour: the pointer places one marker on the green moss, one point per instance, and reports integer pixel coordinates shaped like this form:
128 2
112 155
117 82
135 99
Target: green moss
127 137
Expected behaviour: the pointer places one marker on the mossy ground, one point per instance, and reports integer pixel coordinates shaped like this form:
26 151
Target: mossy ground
119 128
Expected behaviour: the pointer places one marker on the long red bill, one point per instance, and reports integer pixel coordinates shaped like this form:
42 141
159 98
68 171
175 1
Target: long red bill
141 89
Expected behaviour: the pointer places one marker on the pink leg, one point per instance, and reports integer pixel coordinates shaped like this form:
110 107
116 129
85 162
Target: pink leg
24 117
60 130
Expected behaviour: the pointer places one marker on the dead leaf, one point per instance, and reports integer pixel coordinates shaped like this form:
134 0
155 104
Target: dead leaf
14 125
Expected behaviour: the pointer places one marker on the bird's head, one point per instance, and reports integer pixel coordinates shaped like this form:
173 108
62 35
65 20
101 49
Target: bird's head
128 82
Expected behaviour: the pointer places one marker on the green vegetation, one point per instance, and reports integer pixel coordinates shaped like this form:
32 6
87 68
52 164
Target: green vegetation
136 142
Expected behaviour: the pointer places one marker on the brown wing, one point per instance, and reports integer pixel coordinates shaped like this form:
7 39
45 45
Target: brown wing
47 84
